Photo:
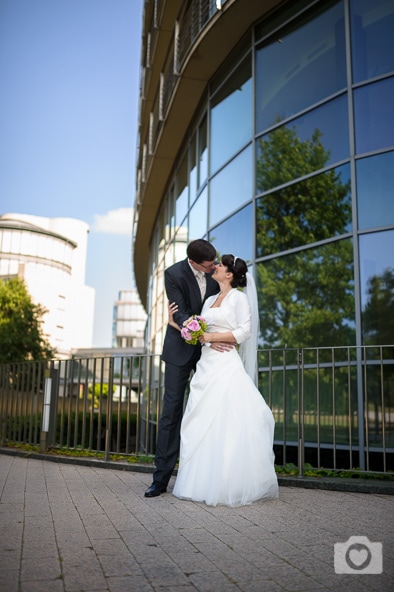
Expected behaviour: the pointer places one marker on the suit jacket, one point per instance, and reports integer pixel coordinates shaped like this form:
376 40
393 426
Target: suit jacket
182 287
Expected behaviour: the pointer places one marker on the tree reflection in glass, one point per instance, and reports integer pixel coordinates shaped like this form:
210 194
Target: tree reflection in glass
378 330
378 312
307 297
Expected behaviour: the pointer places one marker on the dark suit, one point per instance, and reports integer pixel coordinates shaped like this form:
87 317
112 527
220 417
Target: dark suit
180 358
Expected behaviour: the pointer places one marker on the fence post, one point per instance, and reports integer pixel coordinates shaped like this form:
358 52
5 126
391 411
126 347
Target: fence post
4 400
301 440
51 438
47 435
361 411
108 427
45 410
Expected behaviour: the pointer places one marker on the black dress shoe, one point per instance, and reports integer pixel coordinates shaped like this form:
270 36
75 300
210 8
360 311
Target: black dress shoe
155 489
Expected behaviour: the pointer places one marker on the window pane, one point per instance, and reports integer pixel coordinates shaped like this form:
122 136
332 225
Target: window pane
307 299
203 153
377 287
372 26
232 187
374 116
315 209
6 242
312 210
193 169
124 311
26 243
375 182
198 217
171 209
304 65
231 116
307 144
235 236
182 201
16 241
8 267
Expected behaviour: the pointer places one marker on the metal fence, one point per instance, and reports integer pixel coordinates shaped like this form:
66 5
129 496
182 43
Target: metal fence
333 407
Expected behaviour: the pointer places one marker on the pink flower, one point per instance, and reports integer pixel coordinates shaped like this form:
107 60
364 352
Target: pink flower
187 336
193 328
193 325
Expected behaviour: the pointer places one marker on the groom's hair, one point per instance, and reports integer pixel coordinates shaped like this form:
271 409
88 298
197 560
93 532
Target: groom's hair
201 250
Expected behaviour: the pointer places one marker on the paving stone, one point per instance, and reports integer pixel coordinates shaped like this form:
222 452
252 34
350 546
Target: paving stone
42 586
73 528
129 584
82 578
9 578
42 568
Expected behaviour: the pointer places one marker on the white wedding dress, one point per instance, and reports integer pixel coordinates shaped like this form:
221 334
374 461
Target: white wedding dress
226 454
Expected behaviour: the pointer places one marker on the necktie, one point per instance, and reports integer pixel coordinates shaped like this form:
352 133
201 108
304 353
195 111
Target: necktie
202 283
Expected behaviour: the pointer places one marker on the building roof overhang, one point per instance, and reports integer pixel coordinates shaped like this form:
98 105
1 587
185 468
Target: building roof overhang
212 47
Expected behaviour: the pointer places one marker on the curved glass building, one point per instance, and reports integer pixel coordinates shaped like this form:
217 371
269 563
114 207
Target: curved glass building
267 127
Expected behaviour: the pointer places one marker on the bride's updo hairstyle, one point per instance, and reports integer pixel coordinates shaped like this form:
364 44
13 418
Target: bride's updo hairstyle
238 268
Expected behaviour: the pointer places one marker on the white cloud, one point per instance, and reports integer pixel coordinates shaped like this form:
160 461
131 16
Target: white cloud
118 221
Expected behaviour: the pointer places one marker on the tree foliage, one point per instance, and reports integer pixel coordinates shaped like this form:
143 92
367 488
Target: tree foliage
99 393
21 337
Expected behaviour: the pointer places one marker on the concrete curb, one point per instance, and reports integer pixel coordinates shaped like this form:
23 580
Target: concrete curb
343 484
328 483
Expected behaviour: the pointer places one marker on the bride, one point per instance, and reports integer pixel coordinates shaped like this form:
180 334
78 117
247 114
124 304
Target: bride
226 454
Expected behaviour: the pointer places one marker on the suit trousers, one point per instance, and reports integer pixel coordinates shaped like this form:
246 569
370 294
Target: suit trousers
168 436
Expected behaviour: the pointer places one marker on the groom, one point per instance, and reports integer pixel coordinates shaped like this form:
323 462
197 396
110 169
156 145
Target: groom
188 283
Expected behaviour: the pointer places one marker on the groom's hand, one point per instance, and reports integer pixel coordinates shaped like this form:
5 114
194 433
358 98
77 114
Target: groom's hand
222 346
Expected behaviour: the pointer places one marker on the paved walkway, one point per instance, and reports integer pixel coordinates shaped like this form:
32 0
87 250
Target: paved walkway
71 528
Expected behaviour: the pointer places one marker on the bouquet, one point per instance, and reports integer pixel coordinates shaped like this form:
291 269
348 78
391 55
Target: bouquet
192 328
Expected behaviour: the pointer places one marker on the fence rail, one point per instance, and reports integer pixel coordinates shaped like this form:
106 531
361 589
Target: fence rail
333 407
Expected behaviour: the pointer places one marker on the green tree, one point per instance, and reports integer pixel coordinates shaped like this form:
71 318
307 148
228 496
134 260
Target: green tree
100 393
21 337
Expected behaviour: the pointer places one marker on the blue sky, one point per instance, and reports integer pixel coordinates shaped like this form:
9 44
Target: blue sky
70 72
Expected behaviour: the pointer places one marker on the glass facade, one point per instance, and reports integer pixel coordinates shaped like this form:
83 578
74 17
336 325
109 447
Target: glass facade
304 197
232 102
307 144
288 163
301 65
231 187
372 25
377 287
375 184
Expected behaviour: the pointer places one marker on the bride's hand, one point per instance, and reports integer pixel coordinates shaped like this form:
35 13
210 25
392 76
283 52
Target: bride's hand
204 338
